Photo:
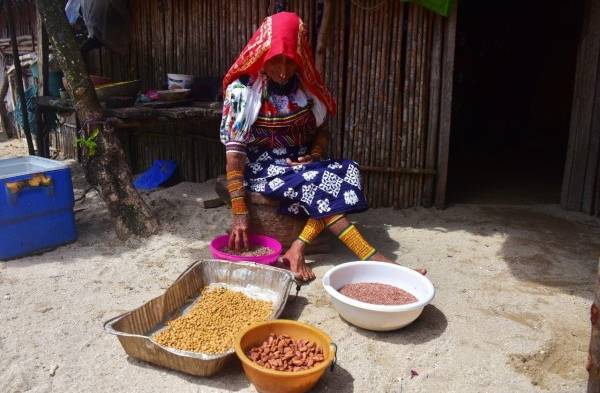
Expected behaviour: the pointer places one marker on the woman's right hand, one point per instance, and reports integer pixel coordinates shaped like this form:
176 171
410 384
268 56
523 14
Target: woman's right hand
238 238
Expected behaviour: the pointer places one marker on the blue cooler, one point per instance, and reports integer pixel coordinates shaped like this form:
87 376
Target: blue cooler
36 206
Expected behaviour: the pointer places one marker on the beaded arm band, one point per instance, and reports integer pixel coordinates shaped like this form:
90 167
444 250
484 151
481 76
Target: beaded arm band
235 186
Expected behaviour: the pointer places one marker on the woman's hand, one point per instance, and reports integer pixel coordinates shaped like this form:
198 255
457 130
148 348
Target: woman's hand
238 238
302 160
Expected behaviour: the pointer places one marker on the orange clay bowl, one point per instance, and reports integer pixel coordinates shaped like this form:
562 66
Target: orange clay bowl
272 381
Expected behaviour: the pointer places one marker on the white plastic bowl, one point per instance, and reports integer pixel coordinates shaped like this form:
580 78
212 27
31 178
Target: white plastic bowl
374 316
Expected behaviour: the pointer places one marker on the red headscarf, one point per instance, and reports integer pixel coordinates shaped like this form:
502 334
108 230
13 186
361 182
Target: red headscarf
281 34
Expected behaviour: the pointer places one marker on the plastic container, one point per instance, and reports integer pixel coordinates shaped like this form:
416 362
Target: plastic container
119 89
272 381
179 81
36 206
99 80
375 316
220 242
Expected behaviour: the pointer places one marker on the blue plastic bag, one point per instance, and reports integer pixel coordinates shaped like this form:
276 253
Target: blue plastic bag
72 10
157 174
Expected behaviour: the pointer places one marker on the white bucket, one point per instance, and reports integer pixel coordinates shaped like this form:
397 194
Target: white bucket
377 317
179 81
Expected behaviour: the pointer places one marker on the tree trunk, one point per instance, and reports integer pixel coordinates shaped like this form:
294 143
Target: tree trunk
19 74
323 37
593 365
108 167
7 125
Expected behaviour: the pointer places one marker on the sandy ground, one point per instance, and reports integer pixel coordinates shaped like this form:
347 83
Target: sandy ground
511 313
11 147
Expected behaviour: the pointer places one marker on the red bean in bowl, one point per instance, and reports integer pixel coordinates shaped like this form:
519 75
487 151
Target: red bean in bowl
377 293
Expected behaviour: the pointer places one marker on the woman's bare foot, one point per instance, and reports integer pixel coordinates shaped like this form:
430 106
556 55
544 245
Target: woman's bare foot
294 257
382 258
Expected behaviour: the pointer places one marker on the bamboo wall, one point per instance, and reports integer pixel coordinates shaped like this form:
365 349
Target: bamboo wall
25 31
384 65
24 19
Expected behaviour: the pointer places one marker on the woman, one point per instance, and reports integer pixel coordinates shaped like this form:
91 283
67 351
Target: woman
274 104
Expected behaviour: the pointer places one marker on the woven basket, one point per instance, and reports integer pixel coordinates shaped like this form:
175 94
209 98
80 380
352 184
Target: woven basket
265 220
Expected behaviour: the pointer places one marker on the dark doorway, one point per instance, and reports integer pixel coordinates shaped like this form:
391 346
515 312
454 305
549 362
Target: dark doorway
513 87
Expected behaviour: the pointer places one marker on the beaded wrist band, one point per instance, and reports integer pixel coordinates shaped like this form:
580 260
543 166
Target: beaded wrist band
235 147
234 175
238 206
235 185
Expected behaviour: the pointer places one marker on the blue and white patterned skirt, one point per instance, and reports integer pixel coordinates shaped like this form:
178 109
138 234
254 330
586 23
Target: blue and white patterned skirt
317 189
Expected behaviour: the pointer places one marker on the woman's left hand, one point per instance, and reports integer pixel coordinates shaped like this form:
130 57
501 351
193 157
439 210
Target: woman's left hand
302 160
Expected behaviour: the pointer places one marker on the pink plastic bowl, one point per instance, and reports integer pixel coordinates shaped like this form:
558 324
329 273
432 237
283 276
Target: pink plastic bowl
220 242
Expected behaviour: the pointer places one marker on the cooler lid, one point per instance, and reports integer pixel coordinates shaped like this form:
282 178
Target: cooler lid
20 166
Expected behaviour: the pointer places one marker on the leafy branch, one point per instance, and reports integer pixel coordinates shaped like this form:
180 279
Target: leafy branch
89 143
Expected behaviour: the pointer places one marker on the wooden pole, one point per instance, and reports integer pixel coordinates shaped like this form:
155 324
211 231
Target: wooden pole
367 90
593 364
19 75
434 104
324 35
397 107
408 102
42 61
351 83
446 106
378 104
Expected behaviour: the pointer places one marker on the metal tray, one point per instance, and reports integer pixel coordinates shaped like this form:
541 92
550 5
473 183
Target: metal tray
135 328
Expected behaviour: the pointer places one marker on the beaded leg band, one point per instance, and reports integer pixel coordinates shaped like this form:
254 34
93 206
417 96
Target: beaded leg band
314 227
356 243
311 230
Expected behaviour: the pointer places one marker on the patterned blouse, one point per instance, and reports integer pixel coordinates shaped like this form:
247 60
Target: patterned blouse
270 125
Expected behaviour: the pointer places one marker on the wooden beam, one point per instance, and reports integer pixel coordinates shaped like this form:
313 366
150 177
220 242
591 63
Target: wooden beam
584 93
446 107
19 75
407 171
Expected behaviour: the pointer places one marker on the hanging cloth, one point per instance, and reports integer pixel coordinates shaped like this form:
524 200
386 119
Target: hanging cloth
441 7
283 33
